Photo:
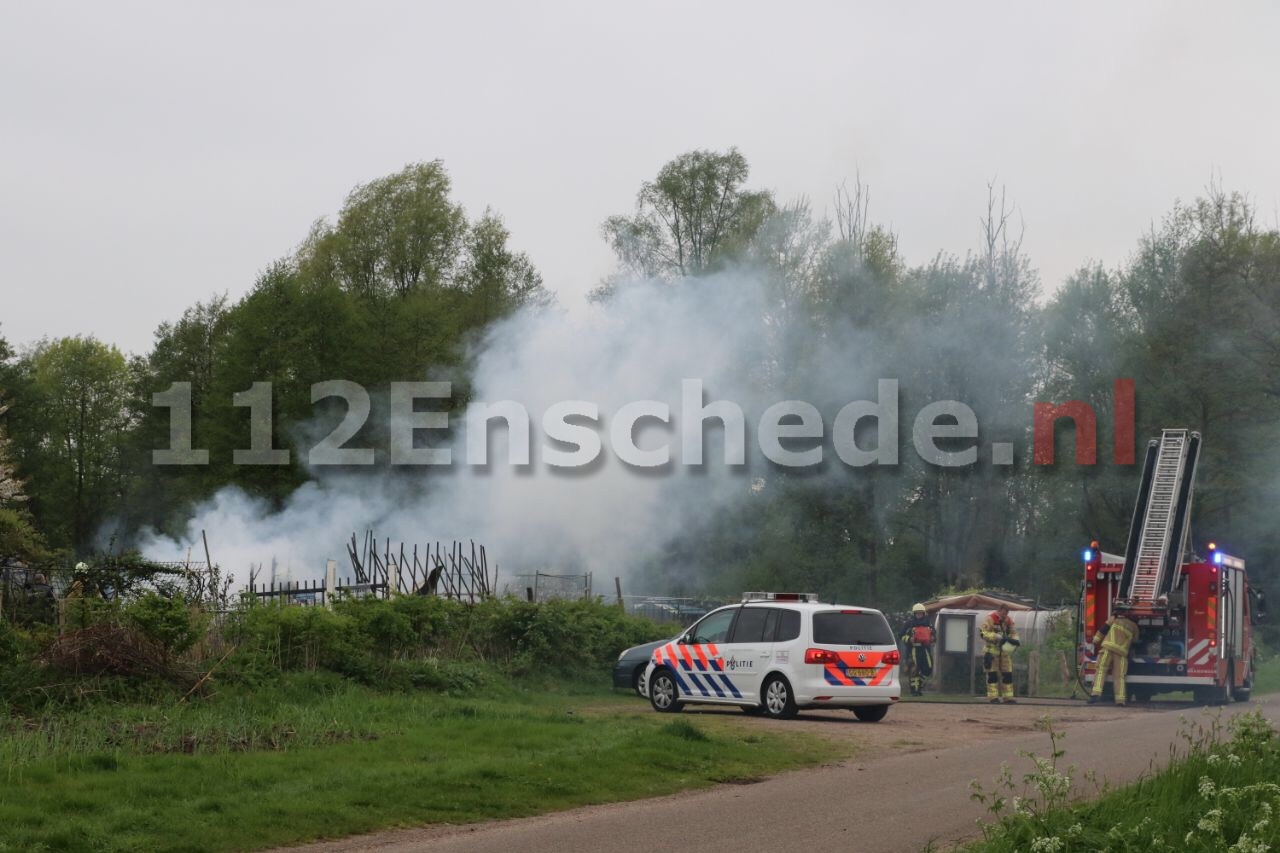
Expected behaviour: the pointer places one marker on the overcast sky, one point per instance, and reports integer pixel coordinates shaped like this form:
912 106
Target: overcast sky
154 154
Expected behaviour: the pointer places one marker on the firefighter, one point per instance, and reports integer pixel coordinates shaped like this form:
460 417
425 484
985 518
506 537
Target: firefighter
1001 638
918 637
1115 637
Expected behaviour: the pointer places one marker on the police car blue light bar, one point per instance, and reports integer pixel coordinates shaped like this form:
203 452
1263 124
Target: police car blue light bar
780 596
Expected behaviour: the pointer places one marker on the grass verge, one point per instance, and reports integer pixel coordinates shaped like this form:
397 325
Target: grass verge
320 758
1218 794
1266 679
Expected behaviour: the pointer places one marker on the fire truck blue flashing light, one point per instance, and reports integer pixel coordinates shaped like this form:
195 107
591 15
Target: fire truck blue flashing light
1217 558
1088 555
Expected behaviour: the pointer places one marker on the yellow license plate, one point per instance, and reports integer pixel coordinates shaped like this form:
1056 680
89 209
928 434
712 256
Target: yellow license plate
863 672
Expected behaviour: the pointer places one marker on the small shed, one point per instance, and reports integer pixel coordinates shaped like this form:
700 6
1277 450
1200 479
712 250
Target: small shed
960 645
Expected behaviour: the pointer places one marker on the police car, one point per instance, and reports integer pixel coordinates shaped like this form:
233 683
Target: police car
777 653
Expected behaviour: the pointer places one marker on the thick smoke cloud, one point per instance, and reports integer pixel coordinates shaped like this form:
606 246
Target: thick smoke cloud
608 517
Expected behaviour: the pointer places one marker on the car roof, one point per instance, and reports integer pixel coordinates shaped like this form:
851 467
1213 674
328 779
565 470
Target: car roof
802 605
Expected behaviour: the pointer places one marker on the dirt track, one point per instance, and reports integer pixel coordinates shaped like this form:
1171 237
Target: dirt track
907 786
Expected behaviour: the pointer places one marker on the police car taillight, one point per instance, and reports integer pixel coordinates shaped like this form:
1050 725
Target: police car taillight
820 656
891 658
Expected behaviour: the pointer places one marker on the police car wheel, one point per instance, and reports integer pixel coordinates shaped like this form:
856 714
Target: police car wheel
777 701
870 713
662 692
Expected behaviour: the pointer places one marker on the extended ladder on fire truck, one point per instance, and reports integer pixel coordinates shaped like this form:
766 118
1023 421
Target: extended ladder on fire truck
1158 533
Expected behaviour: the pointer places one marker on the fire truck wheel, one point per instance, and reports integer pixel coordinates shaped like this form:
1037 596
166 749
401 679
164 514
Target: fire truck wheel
1242 694
871 713
777 700
663 692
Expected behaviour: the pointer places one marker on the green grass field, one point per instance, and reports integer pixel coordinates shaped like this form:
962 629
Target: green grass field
318 758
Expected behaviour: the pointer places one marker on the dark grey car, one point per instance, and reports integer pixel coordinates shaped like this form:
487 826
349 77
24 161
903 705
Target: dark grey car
628 672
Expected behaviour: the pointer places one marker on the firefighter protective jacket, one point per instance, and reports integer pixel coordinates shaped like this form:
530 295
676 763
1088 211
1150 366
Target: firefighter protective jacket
910 636
995 631
1119 632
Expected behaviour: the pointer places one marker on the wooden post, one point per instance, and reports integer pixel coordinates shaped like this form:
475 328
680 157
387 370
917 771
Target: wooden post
617 582
330 582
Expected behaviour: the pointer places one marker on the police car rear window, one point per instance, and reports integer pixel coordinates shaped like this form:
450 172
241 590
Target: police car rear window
835 628
751 624
788 626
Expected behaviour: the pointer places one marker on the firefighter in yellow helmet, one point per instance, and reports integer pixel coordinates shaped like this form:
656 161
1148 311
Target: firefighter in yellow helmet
917 636
1119 632
1001 638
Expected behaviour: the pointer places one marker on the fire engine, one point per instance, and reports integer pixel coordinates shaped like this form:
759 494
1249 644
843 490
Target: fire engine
1195 612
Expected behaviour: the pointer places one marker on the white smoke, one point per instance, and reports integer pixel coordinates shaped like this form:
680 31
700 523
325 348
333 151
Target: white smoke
608 517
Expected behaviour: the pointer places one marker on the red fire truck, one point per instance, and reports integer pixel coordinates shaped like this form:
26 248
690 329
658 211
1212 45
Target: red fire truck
1195 612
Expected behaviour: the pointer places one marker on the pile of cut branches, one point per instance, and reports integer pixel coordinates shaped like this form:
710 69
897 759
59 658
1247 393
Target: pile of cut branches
107 649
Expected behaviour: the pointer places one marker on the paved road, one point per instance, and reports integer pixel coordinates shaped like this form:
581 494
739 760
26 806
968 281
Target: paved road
885 804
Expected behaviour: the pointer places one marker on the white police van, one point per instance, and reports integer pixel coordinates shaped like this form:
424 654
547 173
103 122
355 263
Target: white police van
777 653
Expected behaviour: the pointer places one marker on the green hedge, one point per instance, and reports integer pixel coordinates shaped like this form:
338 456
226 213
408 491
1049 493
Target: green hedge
402 643
360 637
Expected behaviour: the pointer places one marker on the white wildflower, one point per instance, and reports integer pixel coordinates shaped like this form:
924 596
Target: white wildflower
1249 845
1211 822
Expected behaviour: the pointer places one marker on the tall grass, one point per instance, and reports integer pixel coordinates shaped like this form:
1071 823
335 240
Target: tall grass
1220 793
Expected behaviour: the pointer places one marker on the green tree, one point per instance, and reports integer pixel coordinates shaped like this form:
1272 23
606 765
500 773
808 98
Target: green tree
76 424
192 349
694 215
394 235
18 538
11 485
496 279
1202 290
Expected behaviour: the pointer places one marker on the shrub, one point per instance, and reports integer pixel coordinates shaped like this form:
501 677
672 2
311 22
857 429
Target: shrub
12 643
561 636
168 622
292 638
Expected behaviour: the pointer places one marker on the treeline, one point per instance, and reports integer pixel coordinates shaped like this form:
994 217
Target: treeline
1190 317
390 292
398 285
